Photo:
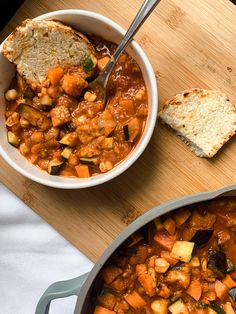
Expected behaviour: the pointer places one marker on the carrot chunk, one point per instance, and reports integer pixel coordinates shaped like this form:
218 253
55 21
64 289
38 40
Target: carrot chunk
135 300
55 75
229 282
102 310
195 290
164 239
169 225
148 283
166 255
82 171
221 289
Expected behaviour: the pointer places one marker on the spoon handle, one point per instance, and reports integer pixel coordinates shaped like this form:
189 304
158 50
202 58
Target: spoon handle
145 10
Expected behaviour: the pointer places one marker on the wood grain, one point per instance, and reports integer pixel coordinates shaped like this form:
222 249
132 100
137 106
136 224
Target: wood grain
190 44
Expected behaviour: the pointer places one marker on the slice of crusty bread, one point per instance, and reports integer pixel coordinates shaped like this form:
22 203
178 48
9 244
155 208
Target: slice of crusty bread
205 119
36 46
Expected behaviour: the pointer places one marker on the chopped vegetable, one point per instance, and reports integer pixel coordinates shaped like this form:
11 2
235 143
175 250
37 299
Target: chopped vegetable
164 239
217 262
221 290
182 217
66 152
102 63
214 306
135 300
181 277
82 171
178 308
54 75
228 281
195 290
159 306
182 250
126 132
169 225
166 255
201 237
55 166
70 139
228 308
232 293
148 283
89 161
194 262
13 139
88 64
35 117
158 223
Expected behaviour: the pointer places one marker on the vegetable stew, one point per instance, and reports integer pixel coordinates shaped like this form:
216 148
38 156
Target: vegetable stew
65 129
183 262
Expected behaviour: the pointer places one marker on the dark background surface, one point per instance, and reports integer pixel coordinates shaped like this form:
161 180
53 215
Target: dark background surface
8 9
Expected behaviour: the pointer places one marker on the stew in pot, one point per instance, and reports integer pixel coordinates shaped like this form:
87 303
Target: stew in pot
183 262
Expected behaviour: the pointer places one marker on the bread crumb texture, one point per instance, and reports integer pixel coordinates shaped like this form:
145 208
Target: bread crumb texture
205 119
37 46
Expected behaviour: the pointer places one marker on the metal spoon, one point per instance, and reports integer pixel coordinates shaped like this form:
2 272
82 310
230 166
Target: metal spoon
99 85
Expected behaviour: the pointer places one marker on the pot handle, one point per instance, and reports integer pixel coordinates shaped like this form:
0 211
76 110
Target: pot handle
60 289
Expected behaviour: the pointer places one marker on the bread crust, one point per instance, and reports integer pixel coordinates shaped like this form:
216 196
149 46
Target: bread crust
184 99
19 41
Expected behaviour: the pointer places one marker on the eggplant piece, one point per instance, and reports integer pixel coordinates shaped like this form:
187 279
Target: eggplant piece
217 262
232 293
201 237
55 166
126 132
35 117
89 161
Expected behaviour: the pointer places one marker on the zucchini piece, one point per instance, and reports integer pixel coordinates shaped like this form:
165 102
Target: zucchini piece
70 139
89 161
216 308
13 139
182 250
217 261
178 308
88 64
126 132
201 237
35 117
55 166
66 152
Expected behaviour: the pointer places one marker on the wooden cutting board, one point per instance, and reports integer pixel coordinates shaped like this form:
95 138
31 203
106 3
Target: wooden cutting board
190 44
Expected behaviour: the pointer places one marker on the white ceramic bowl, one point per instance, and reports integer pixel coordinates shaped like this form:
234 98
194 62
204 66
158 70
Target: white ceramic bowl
90 23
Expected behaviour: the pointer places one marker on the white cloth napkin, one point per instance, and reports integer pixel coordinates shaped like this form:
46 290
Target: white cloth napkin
32 256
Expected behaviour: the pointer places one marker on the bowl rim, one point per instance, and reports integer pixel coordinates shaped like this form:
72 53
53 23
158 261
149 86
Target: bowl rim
133 156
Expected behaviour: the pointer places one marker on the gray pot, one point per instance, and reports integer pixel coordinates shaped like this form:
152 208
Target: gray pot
82 286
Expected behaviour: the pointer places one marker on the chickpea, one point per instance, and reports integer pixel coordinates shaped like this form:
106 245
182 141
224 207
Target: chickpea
24 149
90 96
11 94
37 137
45 100
140 94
